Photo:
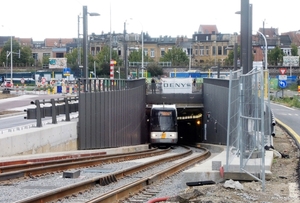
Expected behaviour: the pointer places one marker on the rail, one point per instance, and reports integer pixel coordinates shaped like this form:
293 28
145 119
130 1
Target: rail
58 106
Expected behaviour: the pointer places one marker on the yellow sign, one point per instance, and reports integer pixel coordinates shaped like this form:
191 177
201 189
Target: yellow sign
163 135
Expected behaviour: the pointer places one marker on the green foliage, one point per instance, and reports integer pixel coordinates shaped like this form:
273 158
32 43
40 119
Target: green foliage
72 58
275 56
25 54
177 57
294 50
288 101
229 60
154 70
103 61
46 60
136 56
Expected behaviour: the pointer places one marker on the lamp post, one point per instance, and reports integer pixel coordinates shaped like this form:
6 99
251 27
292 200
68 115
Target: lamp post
78 48
11 61
85 44
266 65
125 51
142 52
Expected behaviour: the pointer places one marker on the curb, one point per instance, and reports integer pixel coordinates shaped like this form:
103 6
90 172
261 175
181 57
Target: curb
290 131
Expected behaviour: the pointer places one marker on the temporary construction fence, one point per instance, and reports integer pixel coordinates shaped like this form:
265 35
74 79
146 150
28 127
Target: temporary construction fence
249 123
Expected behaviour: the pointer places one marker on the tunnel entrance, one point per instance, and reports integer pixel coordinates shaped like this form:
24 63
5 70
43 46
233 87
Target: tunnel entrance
190 124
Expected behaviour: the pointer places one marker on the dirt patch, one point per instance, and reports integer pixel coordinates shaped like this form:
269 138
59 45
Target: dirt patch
5 96
277 190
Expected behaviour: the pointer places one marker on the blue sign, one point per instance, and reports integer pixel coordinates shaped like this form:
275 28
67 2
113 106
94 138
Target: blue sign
282 83
67 71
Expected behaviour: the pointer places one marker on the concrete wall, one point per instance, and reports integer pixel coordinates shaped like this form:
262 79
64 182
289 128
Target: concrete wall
49 138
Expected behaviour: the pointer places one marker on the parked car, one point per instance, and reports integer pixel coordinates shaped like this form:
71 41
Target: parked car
6 84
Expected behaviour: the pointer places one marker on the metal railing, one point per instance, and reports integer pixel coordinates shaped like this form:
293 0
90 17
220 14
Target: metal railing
57 107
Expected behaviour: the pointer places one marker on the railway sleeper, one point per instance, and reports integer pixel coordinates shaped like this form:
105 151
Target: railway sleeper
107 180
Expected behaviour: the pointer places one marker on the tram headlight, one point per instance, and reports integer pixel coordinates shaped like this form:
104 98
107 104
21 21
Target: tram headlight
198 122
154 135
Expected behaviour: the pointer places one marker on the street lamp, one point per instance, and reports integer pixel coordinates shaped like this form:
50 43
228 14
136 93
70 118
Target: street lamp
78 47
142 45
85 44
11 58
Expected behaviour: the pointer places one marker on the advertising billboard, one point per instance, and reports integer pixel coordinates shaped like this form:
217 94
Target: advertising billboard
177 85
57 63
290 61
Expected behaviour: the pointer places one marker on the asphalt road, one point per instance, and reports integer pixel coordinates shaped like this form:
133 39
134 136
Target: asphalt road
24 100
19 104
288 116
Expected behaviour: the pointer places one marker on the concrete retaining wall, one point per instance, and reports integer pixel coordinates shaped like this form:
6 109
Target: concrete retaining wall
49 138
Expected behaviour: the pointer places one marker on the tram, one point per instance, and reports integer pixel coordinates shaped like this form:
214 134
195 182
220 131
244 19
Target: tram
163 125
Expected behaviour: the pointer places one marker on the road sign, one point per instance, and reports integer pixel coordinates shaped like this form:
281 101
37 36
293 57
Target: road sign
22 80
43 80
282 71
282 83
282 77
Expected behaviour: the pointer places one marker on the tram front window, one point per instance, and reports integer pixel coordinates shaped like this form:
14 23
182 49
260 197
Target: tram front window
163 121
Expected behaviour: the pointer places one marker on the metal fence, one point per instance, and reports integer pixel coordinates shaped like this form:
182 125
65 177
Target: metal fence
111 113
249 123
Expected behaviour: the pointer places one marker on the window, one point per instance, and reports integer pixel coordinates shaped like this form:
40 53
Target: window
145 52
59 55
152 53
219 50
201 50
35 56
207 51
224 51
162 52
196 50
214 50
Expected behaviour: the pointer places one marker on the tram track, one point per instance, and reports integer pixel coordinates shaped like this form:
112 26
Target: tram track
50 165
122 192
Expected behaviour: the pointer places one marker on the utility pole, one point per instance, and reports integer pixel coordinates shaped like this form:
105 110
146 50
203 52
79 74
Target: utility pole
78 48
110 43
125 52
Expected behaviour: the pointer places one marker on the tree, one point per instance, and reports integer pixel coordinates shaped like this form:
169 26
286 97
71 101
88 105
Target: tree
72 58
136 56
294 50
275 56
103 60
154 70
46 61
176 56
229 60
25 54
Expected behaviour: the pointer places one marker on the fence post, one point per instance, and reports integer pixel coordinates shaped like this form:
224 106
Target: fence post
38 114
67 109
53 112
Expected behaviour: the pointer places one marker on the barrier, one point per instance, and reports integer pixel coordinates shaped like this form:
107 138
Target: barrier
17 89
75 89
59 89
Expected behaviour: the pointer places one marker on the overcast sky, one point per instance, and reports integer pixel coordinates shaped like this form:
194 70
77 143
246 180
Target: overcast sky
40 19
